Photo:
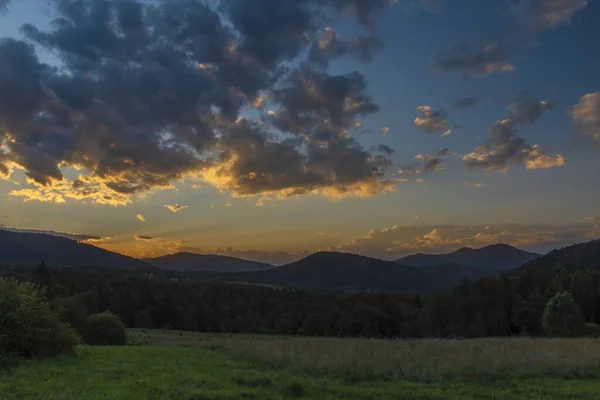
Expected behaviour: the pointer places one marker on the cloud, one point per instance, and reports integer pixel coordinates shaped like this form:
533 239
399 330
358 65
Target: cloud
506 147
316 109
320 233
433 121
175 207
387 150
141 217
434 162
330 46
492 58
4 4
156 95
142 237
398 241
527 110
431 6
81 189
541 15
586 115
80 237
478 185
466 102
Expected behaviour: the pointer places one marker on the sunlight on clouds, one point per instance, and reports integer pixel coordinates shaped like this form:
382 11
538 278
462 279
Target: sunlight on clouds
84 188
398 240
586 115
175 207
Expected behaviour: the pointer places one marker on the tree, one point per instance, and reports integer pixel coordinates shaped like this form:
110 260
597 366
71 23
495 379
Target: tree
562 317
28 326
143 319
104 329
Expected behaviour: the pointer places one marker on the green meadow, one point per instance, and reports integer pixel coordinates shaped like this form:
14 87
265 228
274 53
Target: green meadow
192 366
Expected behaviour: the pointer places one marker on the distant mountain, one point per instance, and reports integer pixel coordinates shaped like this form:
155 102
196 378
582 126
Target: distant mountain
496 257
30 248
342 271
190 262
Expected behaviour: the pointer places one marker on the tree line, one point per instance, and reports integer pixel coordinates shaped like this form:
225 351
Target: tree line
505 305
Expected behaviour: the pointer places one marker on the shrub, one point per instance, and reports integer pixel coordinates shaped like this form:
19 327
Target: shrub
562 317
30 329
592 330
104 329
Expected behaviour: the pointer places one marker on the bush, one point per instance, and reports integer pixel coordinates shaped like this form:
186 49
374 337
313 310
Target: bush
592 330
30 329
104 329
562 317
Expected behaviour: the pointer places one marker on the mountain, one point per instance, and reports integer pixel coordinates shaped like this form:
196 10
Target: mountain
496 257
575 257
342 271
32 248
190 262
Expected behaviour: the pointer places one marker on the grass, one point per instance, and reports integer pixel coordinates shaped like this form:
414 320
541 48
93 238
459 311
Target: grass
194 366
426 360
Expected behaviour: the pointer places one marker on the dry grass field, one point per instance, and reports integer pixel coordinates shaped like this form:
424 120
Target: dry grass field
416 360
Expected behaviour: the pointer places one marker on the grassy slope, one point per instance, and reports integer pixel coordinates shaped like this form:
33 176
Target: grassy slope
194 373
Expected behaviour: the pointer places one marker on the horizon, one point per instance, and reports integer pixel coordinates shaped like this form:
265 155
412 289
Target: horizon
284 259
272 135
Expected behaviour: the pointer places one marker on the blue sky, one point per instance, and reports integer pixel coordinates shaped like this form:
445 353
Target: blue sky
536 209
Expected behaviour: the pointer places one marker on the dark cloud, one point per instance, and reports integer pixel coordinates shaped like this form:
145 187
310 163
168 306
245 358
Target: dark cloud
506 147
541 15
466 102
387 150
73 236
148 93
433 121
330 46
434 162
252 163
527 110
586 115
363 10
492 58
316 101
142 237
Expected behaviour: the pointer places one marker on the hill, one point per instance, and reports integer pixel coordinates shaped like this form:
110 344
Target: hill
29 248
343 271
576 257
190 262
496 257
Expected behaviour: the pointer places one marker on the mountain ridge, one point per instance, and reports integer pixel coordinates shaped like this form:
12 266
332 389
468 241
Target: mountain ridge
26 248
345 271
194 262
497 256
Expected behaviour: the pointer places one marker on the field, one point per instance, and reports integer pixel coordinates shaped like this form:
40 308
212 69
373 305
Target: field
177 365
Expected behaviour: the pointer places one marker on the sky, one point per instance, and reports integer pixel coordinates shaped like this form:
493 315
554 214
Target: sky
269 129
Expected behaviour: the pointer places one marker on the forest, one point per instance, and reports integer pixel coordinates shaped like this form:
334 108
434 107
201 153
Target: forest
509 304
